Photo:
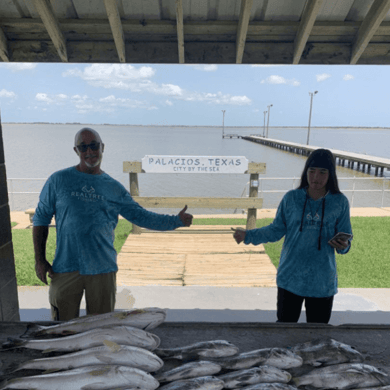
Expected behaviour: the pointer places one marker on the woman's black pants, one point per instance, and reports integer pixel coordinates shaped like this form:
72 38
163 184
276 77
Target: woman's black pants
289 307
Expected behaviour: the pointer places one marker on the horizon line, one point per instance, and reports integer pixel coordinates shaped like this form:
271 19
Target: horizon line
217 126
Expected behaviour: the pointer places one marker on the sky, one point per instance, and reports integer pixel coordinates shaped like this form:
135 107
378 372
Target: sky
195 95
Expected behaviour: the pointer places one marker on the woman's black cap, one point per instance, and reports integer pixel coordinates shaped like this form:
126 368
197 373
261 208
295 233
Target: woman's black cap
321 158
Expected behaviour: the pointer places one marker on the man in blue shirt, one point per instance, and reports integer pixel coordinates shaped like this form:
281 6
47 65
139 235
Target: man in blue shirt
86 203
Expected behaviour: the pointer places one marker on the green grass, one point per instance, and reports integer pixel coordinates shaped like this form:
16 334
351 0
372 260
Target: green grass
366 265
24 251
13 224
368 262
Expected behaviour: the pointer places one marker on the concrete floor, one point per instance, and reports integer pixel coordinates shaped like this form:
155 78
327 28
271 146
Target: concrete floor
221 304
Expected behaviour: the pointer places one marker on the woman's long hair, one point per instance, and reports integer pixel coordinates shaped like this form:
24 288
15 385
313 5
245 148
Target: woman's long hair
322 158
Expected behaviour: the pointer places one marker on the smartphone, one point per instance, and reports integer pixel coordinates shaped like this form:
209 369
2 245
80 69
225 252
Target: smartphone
342 236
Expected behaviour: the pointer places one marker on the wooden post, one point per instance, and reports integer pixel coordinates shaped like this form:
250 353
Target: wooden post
134 191
253 193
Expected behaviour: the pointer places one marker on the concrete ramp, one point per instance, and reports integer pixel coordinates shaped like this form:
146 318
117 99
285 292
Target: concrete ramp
195 256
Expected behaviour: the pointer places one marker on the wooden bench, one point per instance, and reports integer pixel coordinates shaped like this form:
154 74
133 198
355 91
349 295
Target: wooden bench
252 203
31 213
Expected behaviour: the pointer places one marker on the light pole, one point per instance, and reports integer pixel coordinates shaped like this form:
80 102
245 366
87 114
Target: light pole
311 104
265 113
269 109
223 123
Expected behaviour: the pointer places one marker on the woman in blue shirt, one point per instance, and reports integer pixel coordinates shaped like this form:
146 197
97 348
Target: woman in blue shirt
308 217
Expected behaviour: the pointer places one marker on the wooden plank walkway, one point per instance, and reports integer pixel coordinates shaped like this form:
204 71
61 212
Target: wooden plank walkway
196 256
362 160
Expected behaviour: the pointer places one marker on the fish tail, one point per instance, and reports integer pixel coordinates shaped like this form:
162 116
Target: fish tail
13 343
162 353
3 384
297 381
157 340
32 329
15 366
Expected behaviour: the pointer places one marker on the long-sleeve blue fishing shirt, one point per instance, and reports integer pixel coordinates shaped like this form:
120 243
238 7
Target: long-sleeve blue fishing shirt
304 269
86 209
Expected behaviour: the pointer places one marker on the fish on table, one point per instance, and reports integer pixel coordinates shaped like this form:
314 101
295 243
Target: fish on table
277 357
201 383
327 351
148 318
269 386
111 353
251 376
124 335
215 348
105 377
344 376
189 370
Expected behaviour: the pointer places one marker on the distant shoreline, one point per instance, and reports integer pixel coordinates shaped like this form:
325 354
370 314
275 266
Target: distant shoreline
196 126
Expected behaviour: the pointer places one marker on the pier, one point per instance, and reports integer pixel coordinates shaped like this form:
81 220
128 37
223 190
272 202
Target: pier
363 162
231 136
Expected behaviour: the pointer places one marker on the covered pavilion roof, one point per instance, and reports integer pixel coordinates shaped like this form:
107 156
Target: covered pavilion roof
196 31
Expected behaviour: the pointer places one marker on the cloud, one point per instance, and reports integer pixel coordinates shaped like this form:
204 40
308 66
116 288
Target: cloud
15 67
113 102
78 99
42 97
7 94
275 79
111 75
348 77
138 80
218 98
168 103
126 77
322 77
206 68
84 104
59 99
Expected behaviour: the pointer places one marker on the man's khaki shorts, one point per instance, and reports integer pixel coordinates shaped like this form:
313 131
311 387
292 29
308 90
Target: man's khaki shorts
66 291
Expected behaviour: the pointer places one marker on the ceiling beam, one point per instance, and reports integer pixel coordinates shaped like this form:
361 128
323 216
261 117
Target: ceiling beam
370 24
116 28
256 30
180 30
242 30
3 47
307 21
52 26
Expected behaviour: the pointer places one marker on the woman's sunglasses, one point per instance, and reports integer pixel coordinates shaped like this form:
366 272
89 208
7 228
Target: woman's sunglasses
84 148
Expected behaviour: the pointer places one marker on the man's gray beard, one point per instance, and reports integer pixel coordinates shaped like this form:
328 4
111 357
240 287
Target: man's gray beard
89 165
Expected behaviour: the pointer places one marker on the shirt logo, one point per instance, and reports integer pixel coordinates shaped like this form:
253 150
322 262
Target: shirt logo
89 191
87 195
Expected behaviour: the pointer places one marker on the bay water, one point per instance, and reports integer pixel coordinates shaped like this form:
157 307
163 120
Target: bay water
35 151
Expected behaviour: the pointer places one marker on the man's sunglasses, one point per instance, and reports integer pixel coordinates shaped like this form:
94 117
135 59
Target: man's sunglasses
83 148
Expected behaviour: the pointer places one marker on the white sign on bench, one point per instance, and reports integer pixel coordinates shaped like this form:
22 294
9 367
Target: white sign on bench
194 164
